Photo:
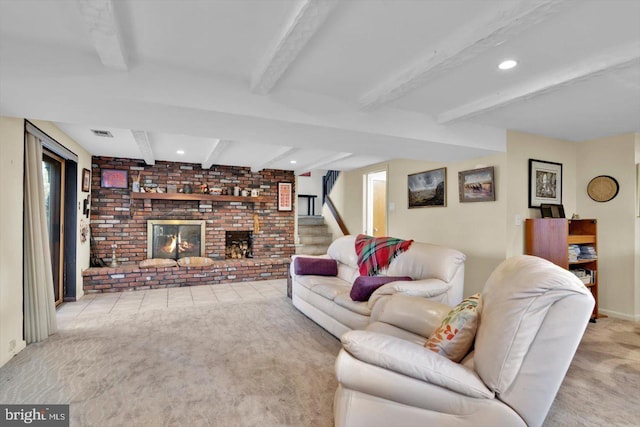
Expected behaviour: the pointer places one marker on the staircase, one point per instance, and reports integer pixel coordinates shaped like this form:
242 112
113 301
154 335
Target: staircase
314 236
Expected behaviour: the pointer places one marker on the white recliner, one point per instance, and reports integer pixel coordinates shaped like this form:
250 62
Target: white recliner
533 317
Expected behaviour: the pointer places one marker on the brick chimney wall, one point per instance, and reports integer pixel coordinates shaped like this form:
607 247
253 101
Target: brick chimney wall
117 219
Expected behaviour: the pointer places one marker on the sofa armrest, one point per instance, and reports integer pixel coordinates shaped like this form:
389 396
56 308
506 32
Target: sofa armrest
420 316
425 288
415 361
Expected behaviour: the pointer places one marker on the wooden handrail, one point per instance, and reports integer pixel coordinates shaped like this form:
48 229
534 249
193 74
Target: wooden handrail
336 215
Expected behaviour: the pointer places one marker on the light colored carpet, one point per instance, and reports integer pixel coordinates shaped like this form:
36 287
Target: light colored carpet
258 363
243 363
602 386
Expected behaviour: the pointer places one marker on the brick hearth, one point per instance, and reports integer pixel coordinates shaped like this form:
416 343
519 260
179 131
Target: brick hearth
117 219
131 277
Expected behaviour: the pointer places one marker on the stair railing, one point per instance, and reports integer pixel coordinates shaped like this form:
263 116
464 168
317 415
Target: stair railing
328 181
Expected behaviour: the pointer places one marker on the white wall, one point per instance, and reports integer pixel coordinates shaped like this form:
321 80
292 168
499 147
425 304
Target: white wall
637 249
486 232
11 170
520 148
11 189
477 229
613 156
311 185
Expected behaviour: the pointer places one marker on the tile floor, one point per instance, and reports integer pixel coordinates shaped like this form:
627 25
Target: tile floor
122 303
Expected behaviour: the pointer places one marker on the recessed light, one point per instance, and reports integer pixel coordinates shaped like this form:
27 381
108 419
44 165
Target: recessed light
508 64
180 152
293 162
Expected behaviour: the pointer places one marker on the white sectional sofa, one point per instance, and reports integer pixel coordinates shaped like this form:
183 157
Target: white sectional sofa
437 273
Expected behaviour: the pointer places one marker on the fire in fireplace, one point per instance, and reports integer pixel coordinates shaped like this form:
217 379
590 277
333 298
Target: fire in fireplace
175 239
238 244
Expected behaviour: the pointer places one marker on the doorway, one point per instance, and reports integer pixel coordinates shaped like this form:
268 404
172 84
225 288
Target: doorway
376 203
53 168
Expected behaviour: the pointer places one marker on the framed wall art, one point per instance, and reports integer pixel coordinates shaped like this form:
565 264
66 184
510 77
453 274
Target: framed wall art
86 180
114 178
285 196
428 189
477 185
545 183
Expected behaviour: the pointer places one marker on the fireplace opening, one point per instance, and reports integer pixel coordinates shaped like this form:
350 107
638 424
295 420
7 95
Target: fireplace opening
175 239
238 244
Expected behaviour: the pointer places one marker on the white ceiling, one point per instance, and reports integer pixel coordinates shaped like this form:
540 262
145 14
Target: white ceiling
328 83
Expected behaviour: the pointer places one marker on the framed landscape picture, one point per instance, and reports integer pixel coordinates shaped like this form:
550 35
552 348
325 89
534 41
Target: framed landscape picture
428 189
545 183
477 185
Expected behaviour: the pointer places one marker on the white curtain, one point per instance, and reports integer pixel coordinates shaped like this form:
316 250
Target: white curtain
39 300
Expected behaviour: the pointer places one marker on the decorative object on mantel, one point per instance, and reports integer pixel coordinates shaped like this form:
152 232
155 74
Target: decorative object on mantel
545 183
603 188
136 183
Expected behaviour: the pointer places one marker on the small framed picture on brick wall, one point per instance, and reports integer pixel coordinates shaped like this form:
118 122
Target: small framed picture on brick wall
285 196
114 178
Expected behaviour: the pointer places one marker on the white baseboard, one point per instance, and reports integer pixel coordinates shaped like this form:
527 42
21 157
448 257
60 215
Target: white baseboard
618 315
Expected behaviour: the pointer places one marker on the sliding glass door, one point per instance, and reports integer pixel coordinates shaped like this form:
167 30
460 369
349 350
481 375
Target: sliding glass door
53 173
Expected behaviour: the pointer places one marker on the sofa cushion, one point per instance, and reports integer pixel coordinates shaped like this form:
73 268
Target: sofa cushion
329 290
343 250
344 300
426 261
454 338
315 266
194 261
157 263
364 286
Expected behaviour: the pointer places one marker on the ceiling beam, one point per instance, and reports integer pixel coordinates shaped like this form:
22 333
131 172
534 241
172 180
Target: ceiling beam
101 23
322 162
305 21
217 147
612 60
462 46
142 139
277 155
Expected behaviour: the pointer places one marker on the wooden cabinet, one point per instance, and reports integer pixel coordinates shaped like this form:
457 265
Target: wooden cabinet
550 238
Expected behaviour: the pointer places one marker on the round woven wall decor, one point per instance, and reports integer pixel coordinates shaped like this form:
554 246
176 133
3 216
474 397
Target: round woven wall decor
603 188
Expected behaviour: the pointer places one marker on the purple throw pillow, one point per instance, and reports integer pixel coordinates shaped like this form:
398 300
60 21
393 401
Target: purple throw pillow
364 286
315 266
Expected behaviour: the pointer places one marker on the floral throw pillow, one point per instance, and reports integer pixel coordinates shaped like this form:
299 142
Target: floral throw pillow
454 338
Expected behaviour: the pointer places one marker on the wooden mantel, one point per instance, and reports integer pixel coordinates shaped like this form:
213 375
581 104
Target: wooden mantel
198 196
148 197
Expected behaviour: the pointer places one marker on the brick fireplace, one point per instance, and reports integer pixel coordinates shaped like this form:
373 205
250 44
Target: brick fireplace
121 222
175 239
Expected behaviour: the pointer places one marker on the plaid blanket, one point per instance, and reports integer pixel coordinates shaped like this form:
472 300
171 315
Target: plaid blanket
376 253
